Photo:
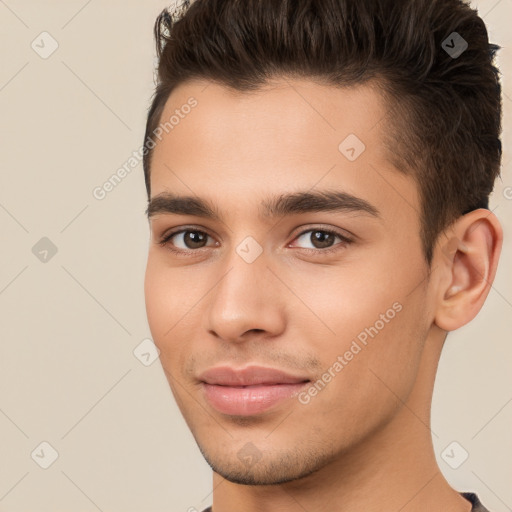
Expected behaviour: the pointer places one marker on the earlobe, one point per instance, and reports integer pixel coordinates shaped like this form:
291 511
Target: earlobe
468 259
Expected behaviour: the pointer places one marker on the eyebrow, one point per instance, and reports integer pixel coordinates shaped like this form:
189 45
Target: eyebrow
276 206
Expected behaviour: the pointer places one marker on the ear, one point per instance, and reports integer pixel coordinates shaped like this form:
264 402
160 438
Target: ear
467 255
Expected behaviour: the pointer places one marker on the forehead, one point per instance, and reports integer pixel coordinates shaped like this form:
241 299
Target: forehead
290 134
293 110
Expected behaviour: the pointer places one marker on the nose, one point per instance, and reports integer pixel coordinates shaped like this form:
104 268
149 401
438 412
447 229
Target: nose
247 301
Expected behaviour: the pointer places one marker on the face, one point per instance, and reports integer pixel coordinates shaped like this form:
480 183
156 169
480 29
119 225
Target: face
280 316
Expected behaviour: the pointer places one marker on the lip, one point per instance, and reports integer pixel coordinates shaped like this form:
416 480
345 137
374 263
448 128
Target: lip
248 376
248 391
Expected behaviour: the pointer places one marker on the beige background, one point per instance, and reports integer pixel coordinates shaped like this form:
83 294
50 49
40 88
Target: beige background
69 326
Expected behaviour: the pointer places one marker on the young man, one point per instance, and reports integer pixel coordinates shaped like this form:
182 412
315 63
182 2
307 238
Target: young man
318 174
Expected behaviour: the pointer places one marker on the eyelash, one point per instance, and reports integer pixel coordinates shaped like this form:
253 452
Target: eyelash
164 242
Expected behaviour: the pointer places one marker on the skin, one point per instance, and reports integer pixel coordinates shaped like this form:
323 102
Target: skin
364 441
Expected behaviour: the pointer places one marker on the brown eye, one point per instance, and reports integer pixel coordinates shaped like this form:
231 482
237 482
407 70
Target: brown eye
194 239
186 239
322 240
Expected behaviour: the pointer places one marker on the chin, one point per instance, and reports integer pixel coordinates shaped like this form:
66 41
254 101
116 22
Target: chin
242 468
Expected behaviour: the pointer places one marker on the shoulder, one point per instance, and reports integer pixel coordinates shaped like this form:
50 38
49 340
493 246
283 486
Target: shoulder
470 496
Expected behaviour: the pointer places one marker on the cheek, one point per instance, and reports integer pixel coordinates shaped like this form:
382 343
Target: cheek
370 318
343 301
369 365
167 301
173 302
158 302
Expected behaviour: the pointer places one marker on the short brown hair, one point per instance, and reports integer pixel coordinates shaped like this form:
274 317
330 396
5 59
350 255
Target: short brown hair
446 121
